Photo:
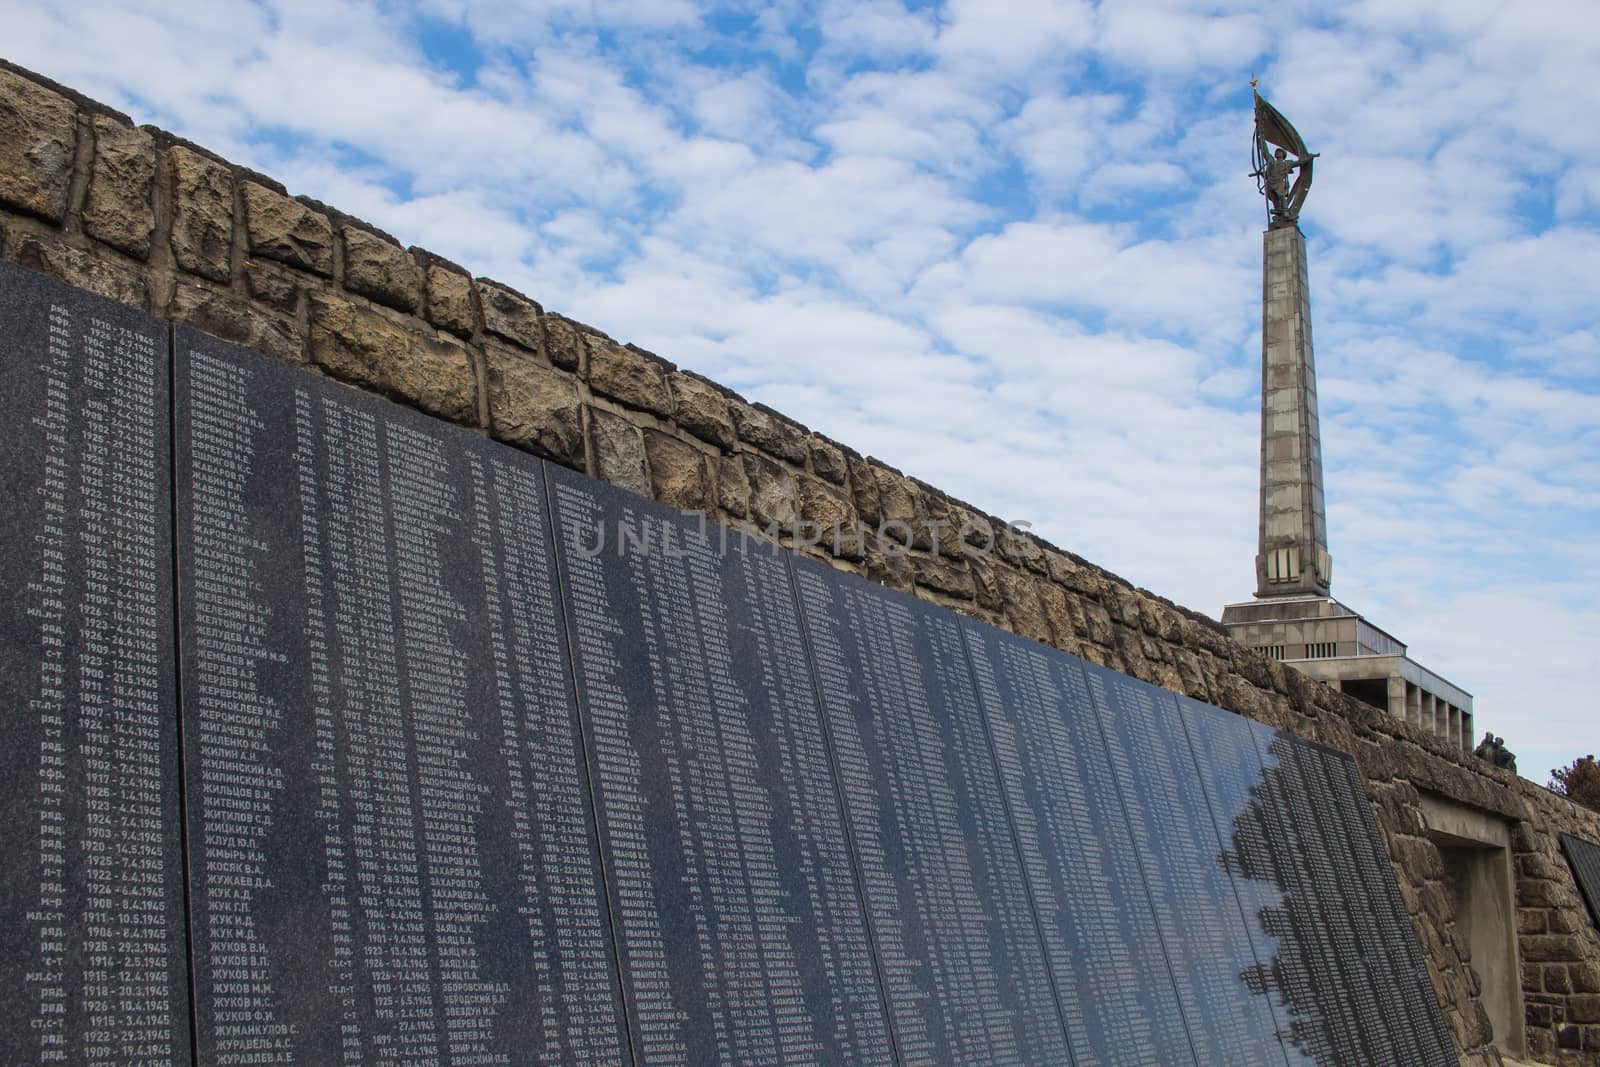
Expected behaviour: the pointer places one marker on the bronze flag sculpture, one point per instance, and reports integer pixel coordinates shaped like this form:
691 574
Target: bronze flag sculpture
1275 139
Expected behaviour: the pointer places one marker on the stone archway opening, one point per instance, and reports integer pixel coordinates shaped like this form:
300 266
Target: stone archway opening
1475 847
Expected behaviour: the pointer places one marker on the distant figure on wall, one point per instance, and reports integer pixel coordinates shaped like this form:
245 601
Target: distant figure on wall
1494 750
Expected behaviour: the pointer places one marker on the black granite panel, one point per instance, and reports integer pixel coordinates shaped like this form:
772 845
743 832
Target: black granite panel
1104 948
1417 1030
1335 1008
91 891
1207 945
1584 859
392 849
1231 775
736 906
960 951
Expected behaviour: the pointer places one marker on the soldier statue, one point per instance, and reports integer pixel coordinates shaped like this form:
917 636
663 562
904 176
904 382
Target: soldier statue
1503 757
1275 138
1485 749
1493 750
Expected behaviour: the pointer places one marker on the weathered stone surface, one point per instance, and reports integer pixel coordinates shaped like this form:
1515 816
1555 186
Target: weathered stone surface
49 254
563 342
887 500
361 345
1019 597
772 492
1077 578
1124 607
702 409
202 214
1158 619
380 269
770 432
1130 652
1193 679
628 377
679 472
1562 921
864 490
898 498
1057 614
1100 628
972 534
1020 550
509 314
1235 694
275 286
1533 893
450 301
1535 865
118 208
286 230
828 515
617 451
222 314
39 132
985 584
827 460
733 486
934 531
534 407
1583 1008
1096 654
890 568
943 575
1255 667
1419 856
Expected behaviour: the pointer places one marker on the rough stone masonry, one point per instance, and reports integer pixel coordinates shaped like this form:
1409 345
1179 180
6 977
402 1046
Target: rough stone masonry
142 217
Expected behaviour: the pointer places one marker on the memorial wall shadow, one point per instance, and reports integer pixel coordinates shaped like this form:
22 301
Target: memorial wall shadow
345 736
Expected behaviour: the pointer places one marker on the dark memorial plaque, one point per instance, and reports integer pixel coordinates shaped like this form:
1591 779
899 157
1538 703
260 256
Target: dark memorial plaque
1339 1000
1231 775
956 939
392 850
1197 912
91 895
1418 1033
735 904
1103 944
1584 859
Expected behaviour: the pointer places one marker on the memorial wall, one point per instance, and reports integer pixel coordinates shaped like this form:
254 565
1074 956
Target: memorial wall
164 226
342 735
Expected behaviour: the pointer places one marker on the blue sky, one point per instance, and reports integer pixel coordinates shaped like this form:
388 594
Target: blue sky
1012 248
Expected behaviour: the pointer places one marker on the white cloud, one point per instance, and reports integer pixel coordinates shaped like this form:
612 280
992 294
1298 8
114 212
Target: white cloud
880 30
1173 39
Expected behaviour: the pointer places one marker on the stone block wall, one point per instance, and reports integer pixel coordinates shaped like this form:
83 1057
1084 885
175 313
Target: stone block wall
147 219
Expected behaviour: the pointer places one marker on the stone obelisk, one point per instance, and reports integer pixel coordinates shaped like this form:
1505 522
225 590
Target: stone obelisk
1293 557
1292 617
